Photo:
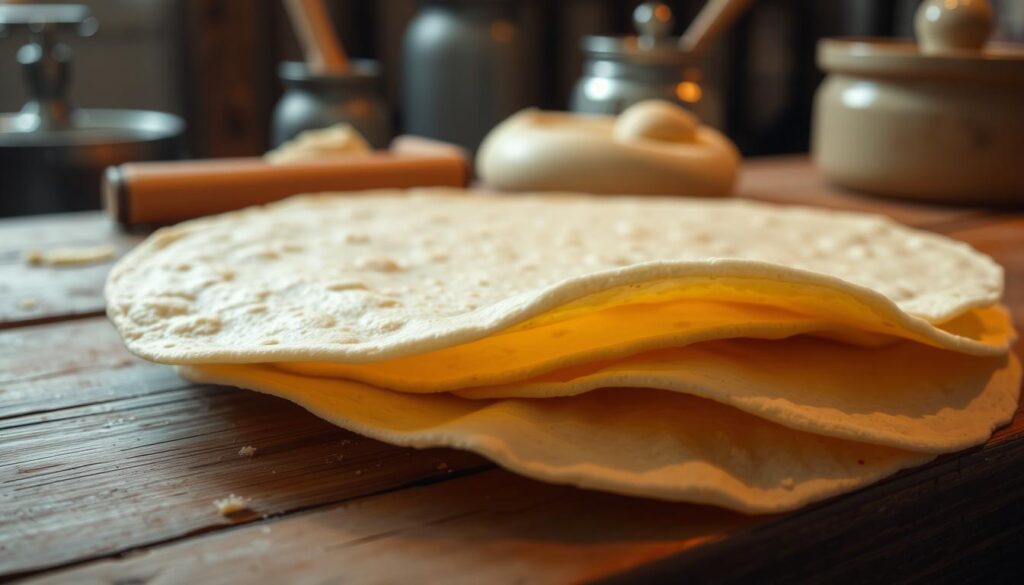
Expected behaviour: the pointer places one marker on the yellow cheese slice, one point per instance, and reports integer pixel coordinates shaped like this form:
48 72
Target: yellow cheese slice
526 352
578 336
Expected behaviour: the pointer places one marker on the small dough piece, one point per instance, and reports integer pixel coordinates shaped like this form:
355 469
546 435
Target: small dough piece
28 304
231 505
340 139
69 256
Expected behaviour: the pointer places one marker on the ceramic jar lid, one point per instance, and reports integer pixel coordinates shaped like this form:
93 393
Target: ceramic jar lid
951 36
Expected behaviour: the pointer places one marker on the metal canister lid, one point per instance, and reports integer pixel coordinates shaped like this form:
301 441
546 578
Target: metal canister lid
48 119
652 45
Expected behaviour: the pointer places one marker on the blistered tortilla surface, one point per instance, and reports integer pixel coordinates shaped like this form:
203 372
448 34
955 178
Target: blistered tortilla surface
373 276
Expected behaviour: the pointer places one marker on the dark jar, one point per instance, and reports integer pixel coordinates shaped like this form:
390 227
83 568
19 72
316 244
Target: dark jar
316 101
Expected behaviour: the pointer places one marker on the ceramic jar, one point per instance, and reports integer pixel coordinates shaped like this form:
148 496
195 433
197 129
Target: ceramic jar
942 123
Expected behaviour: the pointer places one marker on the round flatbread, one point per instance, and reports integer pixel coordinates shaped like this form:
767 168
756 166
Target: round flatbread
637 442
357 278
906 395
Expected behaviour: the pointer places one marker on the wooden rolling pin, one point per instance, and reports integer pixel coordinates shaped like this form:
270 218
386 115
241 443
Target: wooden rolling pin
166 192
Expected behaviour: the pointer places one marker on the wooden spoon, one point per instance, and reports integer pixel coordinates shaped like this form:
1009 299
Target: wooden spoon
320 45
713 19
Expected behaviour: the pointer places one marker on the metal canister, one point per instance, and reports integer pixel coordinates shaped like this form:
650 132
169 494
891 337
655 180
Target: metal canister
465 68
52 155
620 71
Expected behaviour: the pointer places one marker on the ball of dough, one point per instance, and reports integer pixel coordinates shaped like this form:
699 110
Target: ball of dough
656 120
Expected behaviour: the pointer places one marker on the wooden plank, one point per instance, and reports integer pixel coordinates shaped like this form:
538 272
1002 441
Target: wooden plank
35 293
794 180
90 365
493 527
84 228
229 76
102 452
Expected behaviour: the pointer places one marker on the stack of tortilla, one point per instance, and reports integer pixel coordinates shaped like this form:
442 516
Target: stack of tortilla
732 353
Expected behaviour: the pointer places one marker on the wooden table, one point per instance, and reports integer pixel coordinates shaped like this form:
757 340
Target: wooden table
109 466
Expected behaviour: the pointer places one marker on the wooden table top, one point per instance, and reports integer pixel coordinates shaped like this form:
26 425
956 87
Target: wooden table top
109 466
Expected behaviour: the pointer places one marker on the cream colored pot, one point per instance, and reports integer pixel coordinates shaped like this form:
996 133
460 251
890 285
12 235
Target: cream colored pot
939 121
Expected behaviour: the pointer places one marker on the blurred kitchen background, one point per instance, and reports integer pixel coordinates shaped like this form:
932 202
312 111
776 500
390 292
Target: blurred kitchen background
214 62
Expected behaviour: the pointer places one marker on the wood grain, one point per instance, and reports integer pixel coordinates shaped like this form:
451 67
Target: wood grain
102 452
35 293
493 527
793 180
230 76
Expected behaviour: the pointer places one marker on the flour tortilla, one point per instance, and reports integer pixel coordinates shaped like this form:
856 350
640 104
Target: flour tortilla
631 441
358 278
522 353
906 396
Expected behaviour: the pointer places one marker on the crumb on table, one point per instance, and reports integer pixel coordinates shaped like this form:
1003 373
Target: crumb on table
231 504
247 451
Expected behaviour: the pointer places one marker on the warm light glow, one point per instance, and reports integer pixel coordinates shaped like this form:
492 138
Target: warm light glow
598 89
860 96
663 13
688 91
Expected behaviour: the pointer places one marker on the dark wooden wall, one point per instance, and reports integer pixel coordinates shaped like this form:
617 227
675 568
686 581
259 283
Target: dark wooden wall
229 72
